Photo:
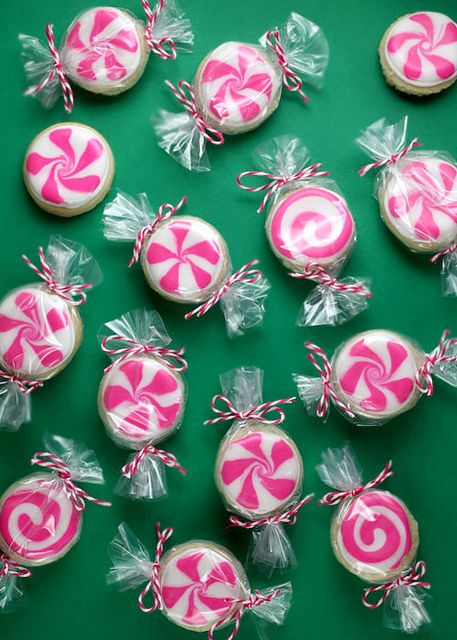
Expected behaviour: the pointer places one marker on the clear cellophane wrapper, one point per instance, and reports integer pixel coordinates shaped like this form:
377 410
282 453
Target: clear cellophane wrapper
243 306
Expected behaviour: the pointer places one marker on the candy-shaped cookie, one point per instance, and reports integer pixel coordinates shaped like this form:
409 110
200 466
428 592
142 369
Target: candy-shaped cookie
104 50
238 86
200 585
186 260
374 536
309 227
418 53
142 398
375 376
68 169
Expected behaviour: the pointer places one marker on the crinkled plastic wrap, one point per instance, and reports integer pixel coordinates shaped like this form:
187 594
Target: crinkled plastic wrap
374 536
417 193
238 86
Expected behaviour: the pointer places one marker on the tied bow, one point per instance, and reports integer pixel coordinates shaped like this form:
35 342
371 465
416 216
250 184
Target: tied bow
291 80
154 582
168 459
25 386
288 517
336 497
164 47
436 357
11 568
411 578
449 250
315 272
173 358
390 160
256 413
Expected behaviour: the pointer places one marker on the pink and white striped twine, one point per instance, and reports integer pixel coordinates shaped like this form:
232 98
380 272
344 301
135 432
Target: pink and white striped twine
315 272
154 583
449 250
57 465
164 212
273 183
437 356
168 459
157 46
394 158
412 578
291 80
11 568
288 517
173 358
336 497
245 274
256 413
25 386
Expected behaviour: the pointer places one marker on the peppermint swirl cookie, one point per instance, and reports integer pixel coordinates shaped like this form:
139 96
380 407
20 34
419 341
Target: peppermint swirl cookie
198 580
141 401
68 169
419 202
237 87
39 332
259 470
419 53
185 259
374 536
38 521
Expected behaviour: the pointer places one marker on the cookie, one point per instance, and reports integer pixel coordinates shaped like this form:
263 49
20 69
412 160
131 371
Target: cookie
68 169
418 53
237 87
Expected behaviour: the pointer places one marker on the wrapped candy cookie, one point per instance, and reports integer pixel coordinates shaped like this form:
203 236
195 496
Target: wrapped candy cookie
375 537
141 399
309 227
238 86
375 376
40 326
417 193
198 585
41 515
104 50
259 469
186 260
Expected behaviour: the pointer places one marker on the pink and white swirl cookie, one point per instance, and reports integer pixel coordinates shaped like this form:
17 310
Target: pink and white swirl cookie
237 87
259 470
68 169
375 536
185 259
141 401
38 522
104 50
419 202
419 53
198 581
39 332
374 373
310 224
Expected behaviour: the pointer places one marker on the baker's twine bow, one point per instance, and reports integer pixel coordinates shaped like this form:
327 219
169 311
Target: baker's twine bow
336 497
57 70
390 160
449 250
246 274
154 583
172 358
273 183
324 370
73 293
253 600
25 386
424 380
411 578
164 212
291 80
11 568
288 517
317 273
57 465
186 96
164 47
263 412
168 459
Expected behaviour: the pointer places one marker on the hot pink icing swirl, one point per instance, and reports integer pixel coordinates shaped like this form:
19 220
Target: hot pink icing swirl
424 45
38 521
67 169
142 398
312 224
374 535
260 472
196 585
36 333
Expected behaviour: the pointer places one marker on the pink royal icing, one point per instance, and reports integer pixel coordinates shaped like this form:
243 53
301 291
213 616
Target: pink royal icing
374 535
311 224
37 332
420 200
196 584
38 521
376 372
421 48
260 473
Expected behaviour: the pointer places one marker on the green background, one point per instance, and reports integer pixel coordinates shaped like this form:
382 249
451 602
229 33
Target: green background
70 598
